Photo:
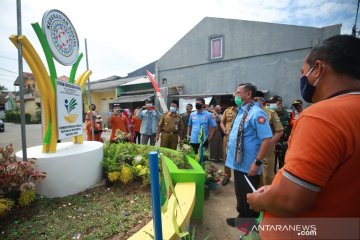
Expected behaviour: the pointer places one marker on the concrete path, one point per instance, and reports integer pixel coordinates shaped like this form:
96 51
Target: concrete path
220 205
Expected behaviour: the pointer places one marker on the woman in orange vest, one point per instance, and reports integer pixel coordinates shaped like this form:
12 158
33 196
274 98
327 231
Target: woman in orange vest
97 130
137 124
117 122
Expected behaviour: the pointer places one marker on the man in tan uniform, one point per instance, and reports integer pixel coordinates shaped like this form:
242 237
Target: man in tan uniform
267 174
225 125
170 127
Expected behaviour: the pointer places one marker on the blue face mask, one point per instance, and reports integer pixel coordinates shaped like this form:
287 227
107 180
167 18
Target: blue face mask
307 90
173 109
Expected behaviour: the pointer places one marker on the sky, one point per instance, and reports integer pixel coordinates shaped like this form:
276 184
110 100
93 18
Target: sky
123 36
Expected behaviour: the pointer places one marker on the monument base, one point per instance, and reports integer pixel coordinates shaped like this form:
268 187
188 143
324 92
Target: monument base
72 169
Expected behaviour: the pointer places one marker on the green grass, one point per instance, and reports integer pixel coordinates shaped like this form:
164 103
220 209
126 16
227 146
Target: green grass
94 214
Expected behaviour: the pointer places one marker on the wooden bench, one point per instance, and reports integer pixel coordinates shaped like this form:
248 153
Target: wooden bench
185 193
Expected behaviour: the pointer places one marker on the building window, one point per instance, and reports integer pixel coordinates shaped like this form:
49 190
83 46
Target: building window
216 47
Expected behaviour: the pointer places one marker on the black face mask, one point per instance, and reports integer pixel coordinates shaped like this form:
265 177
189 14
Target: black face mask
198 106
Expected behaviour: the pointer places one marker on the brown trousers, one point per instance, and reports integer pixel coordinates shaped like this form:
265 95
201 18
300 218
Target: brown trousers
267 174
169 140
227 171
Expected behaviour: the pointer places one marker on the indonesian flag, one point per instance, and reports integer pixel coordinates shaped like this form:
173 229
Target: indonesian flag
157 90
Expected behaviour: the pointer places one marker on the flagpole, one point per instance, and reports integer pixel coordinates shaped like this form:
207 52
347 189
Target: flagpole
21 82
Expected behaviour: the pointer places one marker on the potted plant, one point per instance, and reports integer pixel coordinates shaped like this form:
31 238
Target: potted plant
18 177
213 175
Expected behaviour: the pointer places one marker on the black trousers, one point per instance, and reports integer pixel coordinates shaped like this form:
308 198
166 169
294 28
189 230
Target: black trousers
241 189
197 145
137 137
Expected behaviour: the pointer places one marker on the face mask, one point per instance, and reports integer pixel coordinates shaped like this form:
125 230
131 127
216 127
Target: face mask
173 109
238 101
273 106
198 106
307 90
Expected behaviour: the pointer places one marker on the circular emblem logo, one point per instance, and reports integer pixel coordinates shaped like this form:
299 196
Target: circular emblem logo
61 36
261 120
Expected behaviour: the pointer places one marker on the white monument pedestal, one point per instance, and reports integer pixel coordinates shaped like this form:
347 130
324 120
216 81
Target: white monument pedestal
72 169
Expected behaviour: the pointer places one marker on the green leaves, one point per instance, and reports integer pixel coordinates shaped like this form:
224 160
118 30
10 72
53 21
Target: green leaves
72 105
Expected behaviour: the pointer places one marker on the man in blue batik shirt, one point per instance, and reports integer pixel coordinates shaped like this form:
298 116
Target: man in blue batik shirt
249 141
200 118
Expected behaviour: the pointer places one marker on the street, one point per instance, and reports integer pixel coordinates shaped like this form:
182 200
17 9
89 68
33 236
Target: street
12 134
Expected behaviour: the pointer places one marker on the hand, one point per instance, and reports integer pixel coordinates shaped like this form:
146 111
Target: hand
253 198
254 169
157 138
264 188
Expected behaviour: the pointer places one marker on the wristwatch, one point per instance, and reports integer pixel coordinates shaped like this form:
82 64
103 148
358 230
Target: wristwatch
258 162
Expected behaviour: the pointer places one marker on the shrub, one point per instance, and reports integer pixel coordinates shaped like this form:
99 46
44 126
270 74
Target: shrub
14 116
5 206
27 118
18 175
127 162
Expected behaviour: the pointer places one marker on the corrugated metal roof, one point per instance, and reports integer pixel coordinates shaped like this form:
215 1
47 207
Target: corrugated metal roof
137 81
110 83
132 98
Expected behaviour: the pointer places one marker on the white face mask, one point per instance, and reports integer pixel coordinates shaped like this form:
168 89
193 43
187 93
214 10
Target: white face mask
273 106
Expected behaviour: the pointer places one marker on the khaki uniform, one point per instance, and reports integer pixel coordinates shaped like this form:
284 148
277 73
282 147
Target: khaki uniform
267 174
171 127
227 119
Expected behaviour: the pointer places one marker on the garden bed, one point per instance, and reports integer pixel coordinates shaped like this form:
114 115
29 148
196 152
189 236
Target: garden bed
98 213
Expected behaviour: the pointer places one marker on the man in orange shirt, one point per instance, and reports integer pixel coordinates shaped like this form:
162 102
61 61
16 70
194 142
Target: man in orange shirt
320 178
117 121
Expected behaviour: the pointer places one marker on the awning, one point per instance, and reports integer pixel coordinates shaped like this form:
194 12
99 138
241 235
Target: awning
132 98
137 81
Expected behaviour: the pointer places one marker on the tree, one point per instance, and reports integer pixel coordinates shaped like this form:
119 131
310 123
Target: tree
2 88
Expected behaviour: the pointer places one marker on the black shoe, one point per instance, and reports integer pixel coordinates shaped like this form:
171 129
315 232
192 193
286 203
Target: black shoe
231 222
225 181
240 221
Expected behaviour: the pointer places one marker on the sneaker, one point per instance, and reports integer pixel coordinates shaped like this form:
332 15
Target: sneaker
225 181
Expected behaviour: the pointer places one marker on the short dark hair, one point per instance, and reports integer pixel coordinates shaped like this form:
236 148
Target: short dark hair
200 100
259 94
92 107
249 87
175 102
341 52
189 104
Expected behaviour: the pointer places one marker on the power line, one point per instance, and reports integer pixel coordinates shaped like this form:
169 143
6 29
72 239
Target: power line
8 58
8 70
2 74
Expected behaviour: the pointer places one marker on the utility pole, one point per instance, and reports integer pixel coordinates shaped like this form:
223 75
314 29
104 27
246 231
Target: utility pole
21 82
354 32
